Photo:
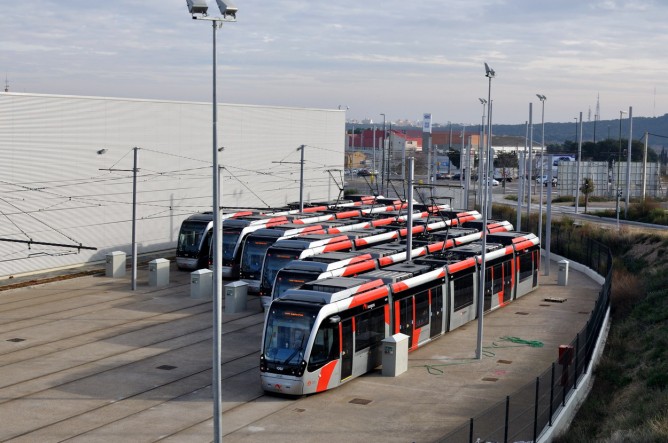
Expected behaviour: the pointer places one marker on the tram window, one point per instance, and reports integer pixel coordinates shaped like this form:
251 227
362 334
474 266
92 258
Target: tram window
422 309
325 346
497 282
526 268
369 328
463 292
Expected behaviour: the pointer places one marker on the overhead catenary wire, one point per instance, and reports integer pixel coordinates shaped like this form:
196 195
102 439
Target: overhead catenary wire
54 199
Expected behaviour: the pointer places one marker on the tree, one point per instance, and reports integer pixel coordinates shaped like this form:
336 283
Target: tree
505 161
455 157
587 188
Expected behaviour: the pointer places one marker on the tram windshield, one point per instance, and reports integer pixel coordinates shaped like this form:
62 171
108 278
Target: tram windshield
190 237
286 279
253 256
230 238
274 261
287 332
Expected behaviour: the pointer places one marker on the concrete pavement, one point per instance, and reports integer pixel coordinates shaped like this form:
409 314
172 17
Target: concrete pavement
87 359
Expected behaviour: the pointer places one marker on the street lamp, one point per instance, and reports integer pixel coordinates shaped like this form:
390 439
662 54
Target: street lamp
628 165
483 102
619 160
382 172
542 99
198 10
484 184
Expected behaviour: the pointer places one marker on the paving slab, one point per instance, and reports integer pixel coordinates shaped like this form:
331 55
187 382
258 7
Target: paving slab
88 359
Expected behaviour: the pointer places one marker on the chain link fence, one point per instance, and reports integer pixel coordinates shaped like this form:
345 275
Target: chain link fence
525 414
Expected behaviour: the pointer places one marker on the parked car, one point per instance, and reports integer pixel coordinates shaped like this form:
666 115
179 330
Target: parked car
363 173
507 179
544 180
458 176
443 176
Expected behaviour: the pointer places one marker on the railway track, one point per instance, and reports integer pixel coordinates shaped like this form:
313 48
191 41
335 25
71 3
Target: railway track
87 360
115 358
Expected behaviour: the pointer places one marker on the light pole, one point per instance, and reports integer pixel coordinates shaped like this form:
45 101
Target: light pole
450 151
542 99
382 171
628 165
484 183
198 10
134 212
483 102
619 160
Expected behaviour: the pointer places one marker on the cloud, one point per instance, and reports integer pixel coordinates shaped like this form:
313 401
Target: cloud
371 55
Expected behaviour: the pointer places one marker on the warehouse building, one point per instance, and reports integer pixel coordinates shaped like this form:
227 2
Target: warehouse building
66 170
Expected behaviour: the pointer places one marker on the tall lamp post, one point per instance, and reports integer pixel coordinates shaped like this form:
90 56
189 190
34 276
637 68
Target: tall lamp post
382 170
483 102
619 160
628 165
484 183
542 99
198 10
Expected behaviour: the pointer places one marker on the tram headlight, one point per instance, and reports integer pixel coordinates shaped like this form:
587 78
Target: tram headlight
263 364
301 369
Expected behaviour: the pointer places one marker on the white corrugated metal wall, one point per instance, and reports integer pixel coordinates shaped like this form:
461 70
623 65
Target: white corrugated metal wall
605 178
56 188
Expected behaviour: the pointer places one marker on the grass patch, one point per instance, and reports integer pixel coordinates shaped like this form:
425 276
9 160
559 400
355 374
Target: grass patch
629 400
649 211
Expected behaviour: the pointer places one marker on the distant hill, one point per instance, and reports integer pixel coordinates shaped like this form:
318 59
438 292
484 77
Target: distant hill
560 132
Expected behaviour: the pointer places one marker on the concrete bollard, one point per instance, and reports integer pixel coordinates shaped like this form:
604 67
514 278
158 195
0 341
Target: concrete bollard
115 264
201 283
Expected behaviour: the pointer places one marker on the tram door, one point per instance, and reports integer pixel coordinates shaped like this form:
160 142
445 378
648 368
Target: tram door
346 348
507 281
406 318
436 319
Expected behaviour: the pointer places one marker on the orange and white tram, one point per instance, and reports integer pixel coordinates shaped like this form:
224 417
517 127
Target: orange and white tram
329 331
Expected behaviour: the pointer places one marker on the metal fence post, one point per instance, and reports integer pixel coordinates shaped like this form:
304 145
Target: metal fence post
505 431
535 410
577 351
589 344
552 394
471 431
563 389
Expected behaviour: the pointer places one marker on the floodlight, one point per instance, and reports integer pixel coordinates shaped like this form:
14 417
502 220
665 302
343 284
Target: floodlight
489 72
541 97
227 8
482 101
197 6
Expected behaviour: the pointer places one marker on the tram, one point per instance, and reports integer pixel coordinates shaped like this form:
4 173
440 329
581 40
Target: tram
329 331
192 247
298 272
255 245
282 252
236 230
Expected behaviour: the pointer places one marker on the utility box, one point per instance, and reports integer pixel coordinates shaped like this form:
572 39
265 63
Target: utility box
158 272
395 355
236 294
562 278
115 266
201 283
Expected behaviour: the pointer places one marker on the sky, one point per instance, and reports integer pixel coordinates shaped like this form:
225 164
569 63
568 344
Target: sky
400 58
